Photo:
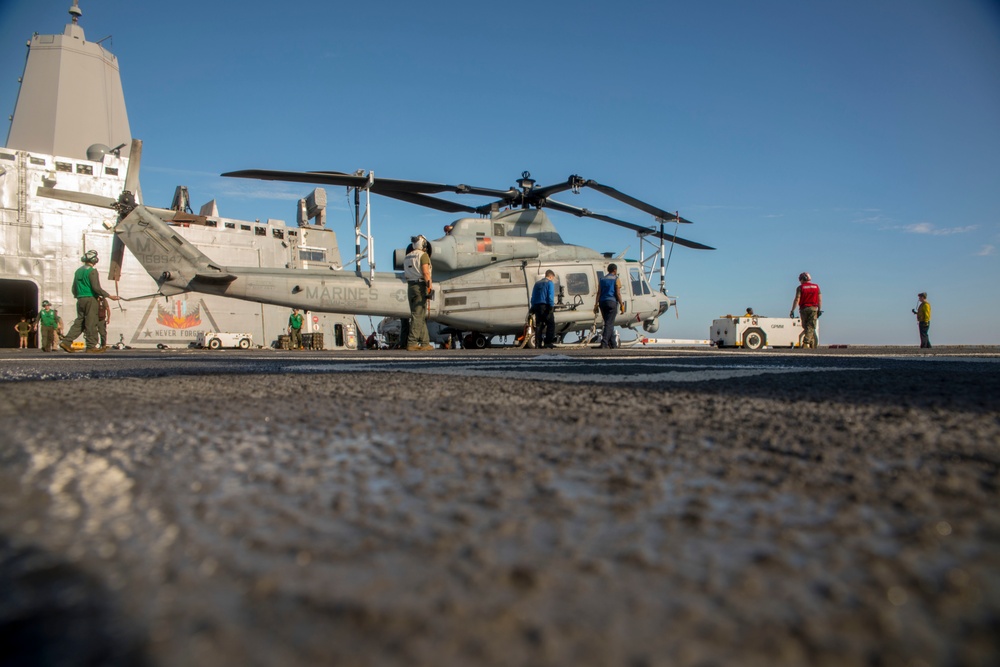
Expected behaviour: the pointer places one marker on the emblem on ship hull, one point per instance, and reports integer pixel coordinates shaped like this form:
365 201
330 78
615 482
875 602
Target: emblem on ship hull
177 322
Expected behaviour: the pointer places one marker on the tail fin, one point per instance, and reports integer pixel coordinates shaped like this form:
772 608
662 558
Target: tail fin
171 260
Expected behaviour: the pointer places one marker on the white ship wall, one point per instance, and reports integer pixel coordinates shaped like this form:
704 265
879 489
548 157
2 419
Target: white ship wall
41 241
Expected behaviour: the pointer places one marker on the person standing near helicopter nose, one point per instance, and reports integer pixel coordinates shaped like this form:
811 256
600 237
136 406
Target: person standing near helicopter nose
419 290
609 303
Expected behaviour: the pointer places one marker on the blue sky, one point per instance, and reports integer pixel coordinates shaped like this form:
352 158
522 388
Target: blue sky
857 140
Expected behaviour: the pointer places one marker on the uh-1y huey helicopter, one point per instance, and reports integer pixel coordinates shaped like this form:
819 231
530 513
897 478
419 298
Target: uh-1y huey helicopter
484 267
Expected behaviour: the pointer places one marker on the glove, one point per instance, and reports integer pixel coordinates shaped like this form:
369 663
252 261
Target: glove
621 308
597 309
791 313
913 310
819 314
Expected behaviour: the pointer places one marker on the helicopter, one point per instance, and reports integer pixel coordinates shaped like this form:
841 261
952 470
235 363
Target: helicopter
484 267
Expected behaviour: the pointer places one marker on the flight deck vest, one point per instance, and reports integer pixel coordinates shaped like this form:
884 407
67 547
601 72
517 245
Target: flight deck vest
411 266
809 296
81 282
607 288
47 318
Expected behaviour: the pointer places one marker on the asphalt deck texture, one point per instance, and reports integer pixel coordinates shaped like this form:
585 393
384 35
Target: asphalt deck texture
279 511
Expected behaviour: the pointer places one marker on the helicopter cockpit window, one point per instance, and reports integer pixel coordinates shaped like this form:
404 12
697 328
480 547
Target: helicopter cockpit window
639 285
577 283
499 229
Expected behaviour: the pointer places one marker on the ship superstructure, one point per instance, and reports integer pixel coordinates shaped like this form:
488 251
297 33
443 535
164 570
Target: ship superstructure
70 131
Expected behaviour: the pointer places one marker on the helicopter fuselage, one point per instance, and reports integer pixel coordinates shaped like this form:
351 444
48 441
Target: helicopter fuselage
484 272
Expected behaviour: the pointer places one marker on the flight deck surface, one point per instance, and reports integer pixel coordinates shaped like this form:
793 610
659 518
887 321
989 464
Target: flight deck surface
498 507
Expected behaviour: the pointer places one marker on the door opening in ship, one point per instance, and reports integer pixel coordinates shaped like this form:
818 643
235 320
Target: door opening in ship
18 298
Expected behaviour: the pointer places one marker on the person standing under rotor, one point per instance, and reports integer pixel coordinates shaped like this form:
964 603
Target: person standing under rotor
419 290
923 313
86 288
609 303
809 300
543 303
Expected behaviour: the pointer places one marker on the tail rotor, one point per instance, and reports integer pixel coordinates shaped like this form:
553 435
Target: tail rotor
126 202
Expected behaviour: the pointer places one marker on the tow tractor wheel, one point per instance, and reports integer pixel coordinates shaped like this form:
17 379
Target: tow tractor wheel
753 339
244 344
214 344
476 341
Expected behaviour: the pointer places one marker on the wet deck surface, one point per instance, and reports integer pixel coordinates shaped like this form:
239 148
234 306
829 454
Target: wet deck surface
635 507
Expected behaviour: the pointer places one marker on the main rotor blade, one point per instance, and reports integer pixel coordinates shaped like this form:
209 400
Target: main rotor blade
87 198
134 160
325 178
694 245
648 230
430 202
635 203
586 213
379 185
545 192
416 192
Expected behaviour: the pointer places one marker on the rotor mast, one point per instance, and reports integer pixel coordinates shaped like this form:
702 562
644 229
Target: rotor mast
648 263
366 219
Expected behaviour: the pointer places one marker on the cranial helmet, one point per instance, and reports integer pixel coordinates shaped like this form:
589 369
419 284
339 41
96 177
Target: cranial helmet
45 303
419 242
89 257
805 276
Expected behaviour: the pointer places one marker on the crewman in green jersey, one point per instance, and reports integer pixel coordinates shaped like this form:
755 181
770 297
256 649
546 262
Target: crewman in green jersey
86 289
295 329
48 322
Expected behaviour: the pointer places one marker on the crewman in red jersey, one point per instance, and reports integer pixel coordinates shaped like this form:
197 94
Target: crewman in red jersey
809 301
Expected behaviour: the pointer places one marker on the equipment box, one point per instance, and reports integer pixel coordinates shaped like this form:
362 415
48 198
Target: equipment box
312 341
754 333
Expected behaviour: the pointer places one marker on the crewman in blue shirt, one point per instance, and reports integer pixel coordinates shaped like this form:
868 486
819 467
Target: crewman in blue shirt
543 303
609 303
